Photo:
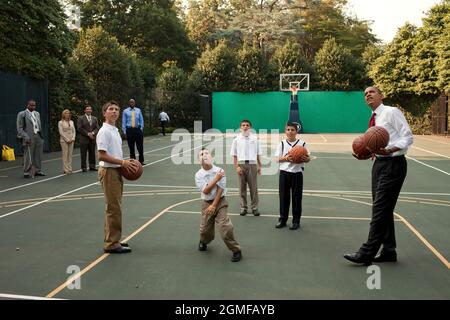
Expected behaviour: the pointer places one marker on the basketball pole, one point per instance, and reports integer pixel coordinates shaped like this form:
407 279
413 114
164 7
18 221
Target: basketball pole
294 114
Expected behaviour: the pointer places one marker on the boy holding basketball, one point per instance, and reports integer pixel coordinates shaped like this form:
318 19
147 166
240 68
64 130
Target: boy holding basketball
291 177
211 182
109 145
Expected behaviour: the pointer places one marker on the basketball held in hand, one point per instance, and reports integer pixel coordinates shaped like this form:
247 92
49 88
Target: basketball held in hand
376 138
359 148
296 153
132 173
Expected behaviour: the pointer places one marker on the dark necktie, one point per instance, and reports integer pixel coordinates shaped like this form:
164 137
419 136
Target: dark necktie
372 120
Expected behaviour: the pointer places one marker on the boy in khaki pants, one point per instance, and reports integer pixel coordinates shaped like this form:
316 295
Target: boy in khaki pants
211 182
109 145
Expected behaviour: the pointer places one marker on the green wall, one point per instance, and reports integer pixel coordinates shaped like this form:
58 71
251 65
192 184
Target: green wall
320 111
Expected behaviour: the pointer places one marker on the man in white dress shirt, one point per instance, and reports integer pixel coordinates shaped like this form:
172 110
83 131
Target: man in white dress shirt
388 174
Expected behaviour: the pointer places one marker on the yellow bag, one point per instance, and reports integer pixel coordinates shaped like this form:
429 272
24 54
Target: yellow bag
8 153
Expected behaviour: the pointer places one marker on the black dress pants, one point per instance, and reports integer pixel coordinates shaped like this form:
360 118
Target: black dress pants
388 175
290 182
86 148
135 137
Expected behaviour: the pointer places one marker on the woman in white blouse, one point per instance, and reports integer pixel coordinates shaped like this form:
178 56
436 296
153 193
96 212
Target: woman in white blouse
66 139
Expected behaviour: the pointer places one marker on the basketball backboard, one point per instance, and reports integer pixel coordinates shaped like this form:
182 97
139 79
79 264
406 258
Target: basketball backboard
300 80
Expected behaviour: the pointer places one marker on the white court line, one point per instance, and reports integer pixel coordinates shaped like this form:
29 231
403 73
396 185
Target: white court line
270 190
324 139
435 153
89 185
74 155
63 175
22 297
427 165
446 143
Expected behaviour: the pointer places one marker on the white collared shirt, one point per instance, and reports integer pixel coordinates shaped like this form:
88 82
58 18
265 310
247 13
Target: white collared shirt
34 120
246 147
393 120
282 150
109 140
204 177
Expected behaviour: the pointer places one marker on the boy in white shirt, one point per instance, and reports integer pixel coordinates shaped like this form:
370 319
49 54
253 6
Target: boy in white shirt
291 178
211 182
246 153
109 145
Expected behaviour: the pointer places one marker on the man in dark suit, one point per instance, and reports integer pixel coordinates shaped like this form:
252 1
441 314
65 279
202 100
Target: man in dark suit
88 128
29 131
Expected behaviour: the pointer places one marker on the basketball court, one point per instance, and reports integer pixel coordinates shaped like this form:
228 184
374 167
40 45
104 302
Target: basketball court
52 229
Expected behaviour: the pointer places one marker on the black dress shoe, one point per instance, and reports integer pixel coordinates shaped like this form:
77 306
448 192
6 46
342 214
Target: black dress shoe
255 212
358 258
236 256
84 170
41 174
124 244
120 249
243 212
280 225
386 257
294 226
202 246
93 169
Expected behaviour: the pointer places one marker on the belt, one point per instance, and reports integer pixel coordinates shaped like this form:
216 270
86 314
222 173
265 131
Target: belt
391 158
247 161
211 201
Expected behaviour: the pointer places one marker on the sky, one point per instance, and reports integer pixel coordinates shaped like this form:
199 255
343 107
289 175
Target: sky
389 15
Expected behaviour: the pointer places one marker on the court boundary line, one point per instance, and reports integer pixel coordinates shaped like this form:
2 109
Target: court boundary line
92 184
105 255
432 152
427 165
25 297
168 209
79 170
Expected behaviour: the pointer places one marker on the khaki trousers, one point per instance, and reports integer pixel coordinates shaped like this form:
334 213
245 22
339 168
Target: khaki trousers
249 176
223 222
112 185
67 151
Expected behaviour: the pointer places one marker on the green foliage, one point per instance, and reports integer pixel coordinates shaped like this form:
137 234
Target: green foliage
34 39
337 69
322 20
150 28
250 69
216 68
290 59
172 79
113 69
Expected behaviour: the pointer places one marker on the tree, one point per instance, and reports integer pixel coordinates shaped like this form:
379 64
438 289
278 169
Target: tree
337 69
250 69
392 71
151 28
34 38
290 59
322 20
172 78
113 69
215 69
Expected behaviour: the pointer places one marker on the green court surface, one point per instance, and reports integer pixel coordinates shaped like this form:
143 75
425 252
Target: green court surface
52 225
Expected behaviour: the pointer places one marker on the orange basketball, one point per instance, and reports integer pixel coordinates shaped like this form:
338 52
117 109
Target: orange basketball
132 175
376 138
359 147
296 152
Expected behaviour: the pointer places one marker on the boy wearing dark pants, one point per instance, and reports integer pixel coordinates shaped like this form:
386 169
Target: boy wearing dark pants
211 182
291 178
109 145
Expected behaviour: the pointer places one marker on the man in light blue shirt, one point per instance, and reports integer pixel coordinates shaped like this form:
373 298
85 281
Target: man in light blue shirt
133 127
